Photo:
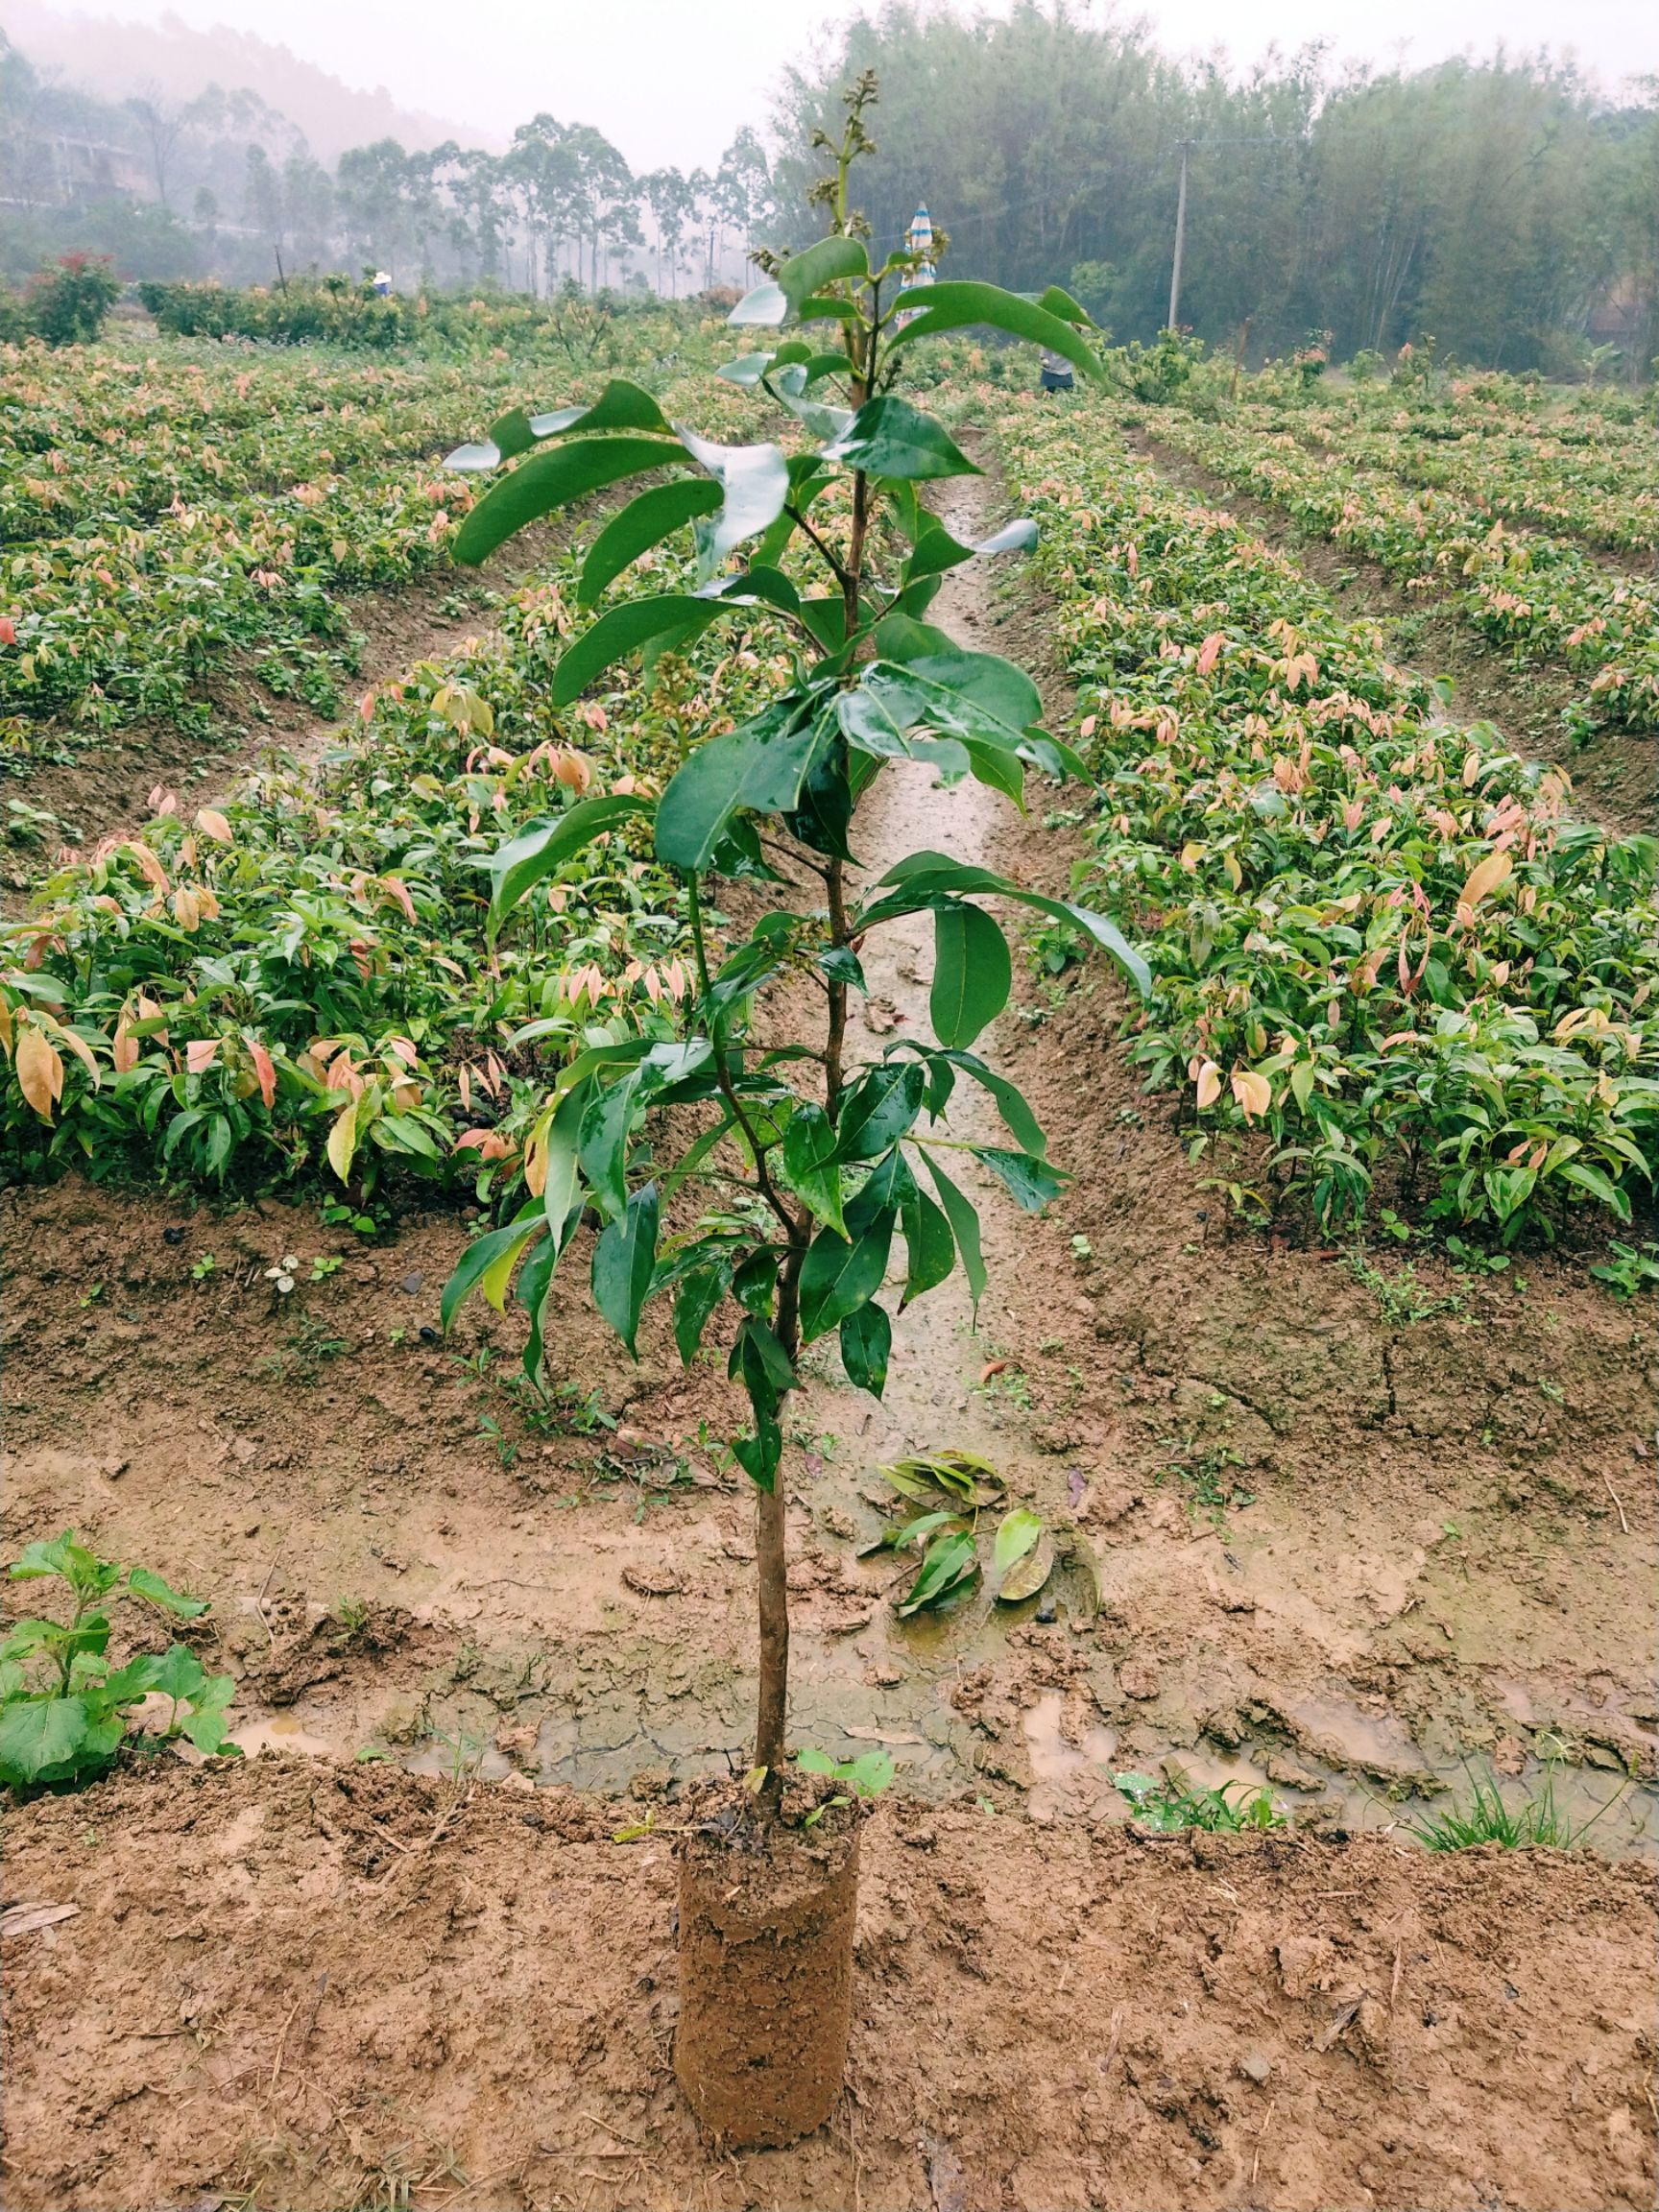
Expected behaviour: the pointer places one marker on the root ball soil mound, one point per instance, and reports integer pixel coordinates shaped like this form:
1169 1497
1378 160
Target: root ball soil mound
308 1988
765 1980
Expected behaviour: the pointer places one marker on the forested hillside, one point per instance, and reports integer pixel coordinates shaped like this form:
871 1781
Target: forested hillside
1507 206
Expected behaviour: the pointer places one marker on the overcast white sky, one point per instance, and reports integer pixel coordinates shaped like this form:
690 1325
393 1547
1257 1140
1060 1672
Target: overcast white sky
670 81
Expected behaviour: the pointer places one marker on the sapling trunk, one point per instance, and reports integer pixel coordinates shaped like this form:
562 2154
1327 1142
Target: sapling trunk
771 1558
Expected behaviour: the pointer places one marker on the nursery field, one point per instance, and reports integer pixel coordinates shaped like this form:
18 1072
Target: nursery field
1250 1718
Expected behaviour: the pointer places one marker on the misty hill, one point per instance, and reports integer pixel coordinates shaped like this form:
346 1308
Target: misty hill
114 60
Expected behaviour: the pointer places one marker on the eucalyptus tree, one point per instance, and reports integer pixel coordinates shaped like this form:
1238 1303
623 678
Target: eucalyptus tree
808 1169
668 195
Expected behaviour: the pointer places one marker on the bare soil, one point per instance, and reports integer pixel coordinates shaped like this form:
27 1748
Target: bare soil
310 1988
1311 1542
1615 773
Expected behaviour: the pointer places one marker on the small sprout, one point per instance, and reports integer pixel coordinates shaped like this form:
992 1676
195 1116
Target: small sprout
866 1776
325 1265
284 1274
1081 1248
202 1266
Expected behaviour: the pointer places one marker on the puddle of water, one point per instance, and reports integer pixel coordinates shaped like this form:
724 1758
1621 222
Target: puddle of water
284 1732
1073 1762
454 1761
1341 1735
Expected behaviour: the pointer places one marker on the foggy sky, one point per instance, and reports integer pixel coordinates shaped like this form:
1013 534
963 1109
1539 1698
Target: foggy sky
670 81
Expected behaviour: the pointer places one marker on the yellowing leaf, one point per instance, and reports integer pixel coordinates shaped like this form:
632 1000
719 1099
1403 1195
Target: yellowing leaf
536 1156
1484 880
83 1053
343 1140
212 824
265 1067
1209 1084
39 1072
1254 1093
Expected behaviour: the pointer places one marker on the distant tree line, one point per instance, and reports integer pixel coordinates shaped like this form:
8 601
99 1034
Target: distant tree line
1506 207
223 186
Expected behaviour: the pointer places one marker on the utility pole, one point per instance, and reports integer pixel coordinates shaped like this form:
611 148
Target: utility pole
1180 240
1187 145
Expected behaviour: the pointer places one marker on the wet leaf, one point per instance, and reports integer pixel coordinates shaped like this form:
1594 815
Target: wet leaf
962 1475
1016 1533
1027 1576
951 1564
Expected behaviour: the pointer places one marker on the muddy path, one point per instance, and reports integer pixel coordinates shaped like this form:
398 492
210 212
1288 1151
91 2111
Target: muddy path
1615 773
308 1989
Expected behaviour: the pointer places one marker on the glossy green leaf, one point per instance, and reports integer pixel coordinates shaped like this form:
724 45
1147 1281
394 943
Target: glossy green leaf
756 584
1016 1533
694 1304
511 434
831 262
626 629
645 522
37 1734
145 1582
768 304
608 1122
760 1363
937 551
963 1220
972 972
754 481
866 1346
1028 1573
549 480
960 306
747 370
809 1163
929 1243
923 879
1010 1101
889 437
1057 301
622 405
1029 1182
759 1455
484 1254
524 861
624 1260
879 1108
838 1277
759 766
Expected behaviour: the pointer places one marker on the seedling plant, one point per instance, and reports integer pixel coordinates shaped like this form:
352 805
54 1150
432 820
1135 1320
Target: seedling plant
63 1708
805 1167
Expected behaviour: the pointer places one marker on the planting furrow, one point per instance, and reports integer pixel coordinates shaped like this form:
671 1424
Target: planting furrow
1542 597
